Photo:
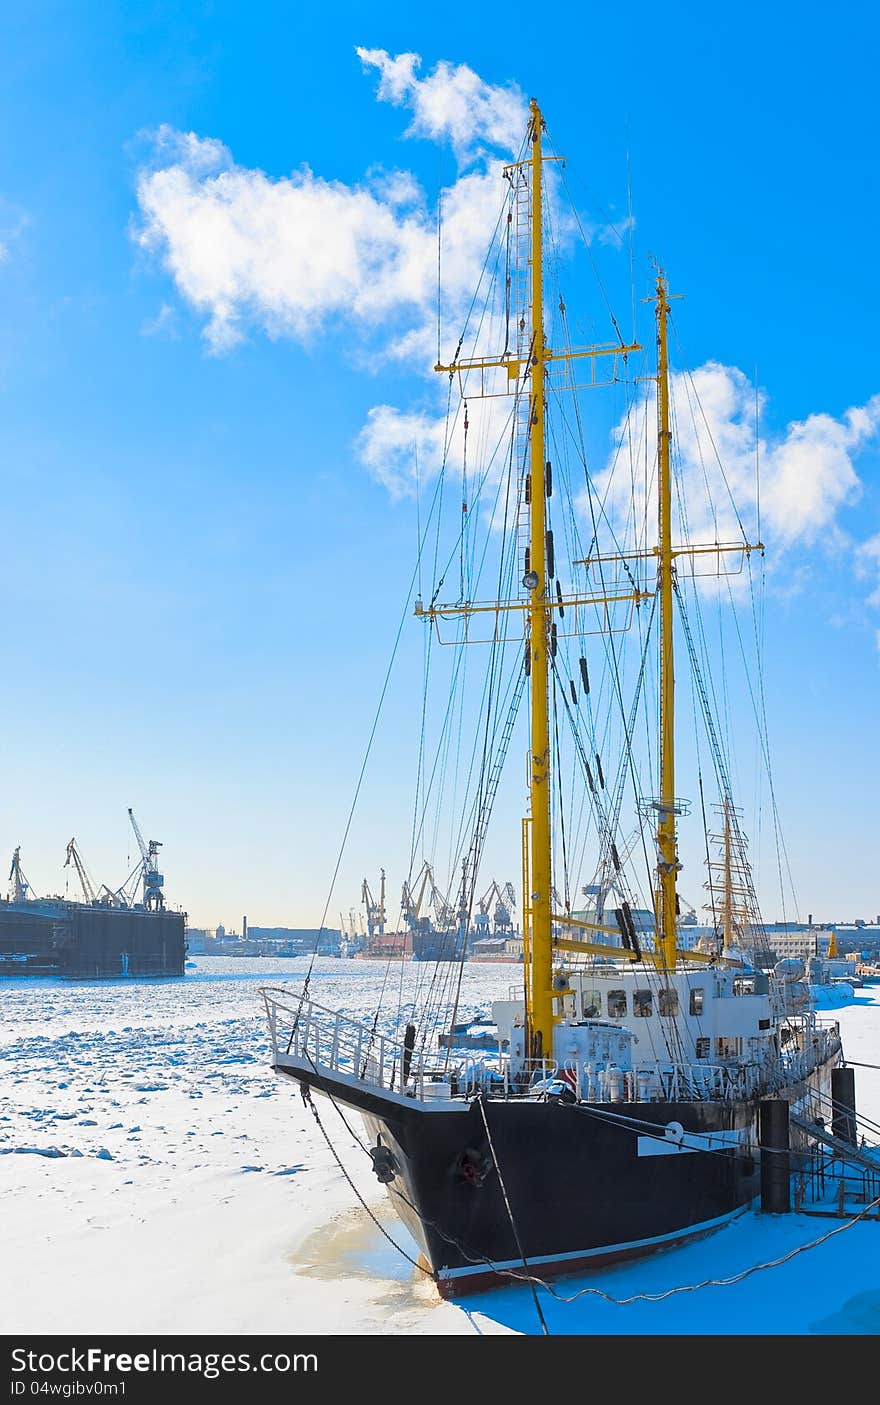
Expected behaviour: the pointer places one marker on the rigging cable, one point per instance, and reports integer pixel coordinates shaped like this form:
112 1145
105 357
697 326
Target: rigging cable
307 1099
367 752
482 1106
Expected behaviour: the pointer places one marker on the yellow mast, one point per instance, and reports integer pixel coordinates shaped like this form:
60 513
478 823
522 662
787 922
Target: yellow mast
541 1013
667 860
537 865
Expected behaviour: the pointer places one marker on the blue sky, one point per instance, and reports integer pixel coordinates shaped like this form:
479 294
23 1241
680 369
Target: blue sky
202 575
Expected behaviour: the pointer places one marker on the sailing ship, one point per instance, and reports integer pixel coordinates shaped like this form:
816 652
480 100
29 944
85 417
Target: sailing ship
622 1109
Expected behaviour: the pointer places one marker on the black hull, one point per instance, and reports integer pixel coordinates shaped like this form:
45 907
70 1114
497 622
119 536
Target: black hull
89 942
584 1186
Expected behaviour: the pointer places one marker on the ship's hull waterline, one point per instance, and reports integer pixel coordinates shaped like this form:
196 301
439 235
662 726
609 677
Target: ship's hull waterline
603 1187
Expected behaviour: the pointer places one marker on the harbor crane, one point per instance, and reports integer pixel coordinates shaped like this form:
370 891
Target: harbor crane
443 910
413 901
85 882
605 881
19 887
411 904
113 897
153 880
502 916
375 910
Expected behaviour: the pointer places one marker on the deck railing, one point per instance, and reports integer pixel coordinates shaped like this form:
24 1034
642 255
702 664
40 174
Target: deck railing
325 1040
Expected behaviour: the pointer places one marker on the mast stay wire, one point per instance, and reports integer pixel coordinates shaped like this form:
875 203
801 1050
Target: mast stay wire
578 442
486 790
586 242
760 718
458 653
610 646
609 825
686 532
367 752
761 722
438 994
441 477
684 518
680 596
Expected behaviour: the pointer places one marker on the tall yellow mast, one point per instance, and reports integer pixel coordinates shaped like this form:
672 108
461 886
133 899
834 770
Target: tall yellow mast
541 1012
667 859
537 911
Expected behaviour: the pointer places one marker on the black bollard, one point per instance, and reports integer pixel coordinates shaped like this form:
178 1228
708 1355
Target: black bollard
775 1168
843 1099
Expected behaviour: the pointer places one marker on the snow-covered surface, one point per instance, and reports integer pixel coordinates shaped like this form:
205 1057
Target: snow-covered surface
158 1178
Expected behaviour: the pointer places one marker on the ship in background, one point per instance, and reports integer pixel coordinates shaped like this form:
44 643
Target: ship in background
430 928
439 930
376 944
113 932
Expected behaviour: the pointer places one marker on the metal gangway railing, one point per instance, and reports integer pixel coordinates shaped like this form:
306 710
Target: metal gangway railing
836 1168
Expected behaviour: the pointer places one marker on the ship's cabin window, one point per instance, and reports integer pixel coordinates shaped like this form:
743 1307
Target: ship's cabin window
728 1048
743 985
703 1047
592 1004
642 1003
617 1004
667 1001
697 1000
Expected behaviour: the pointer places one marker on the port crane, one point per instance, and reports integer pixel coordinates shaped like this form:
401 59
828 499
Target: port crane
605 878
375 910
505 904
153 880
19 887
85 882
412 901
113 897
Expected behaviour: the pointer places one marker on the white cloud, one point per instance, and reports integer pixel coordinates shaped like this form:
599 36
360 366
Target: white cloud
285 255
399 447
807 472
280 254
810 472
301 254
613 234
451 103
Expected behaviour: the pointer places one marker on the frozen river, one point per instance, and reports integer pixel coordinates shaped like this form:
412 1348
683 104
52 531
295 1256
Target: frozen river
159 1178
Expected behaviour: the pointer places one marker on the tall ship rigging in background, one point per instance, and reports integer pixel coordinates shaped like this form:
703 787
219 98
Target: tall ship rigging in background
124 931
638 1087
